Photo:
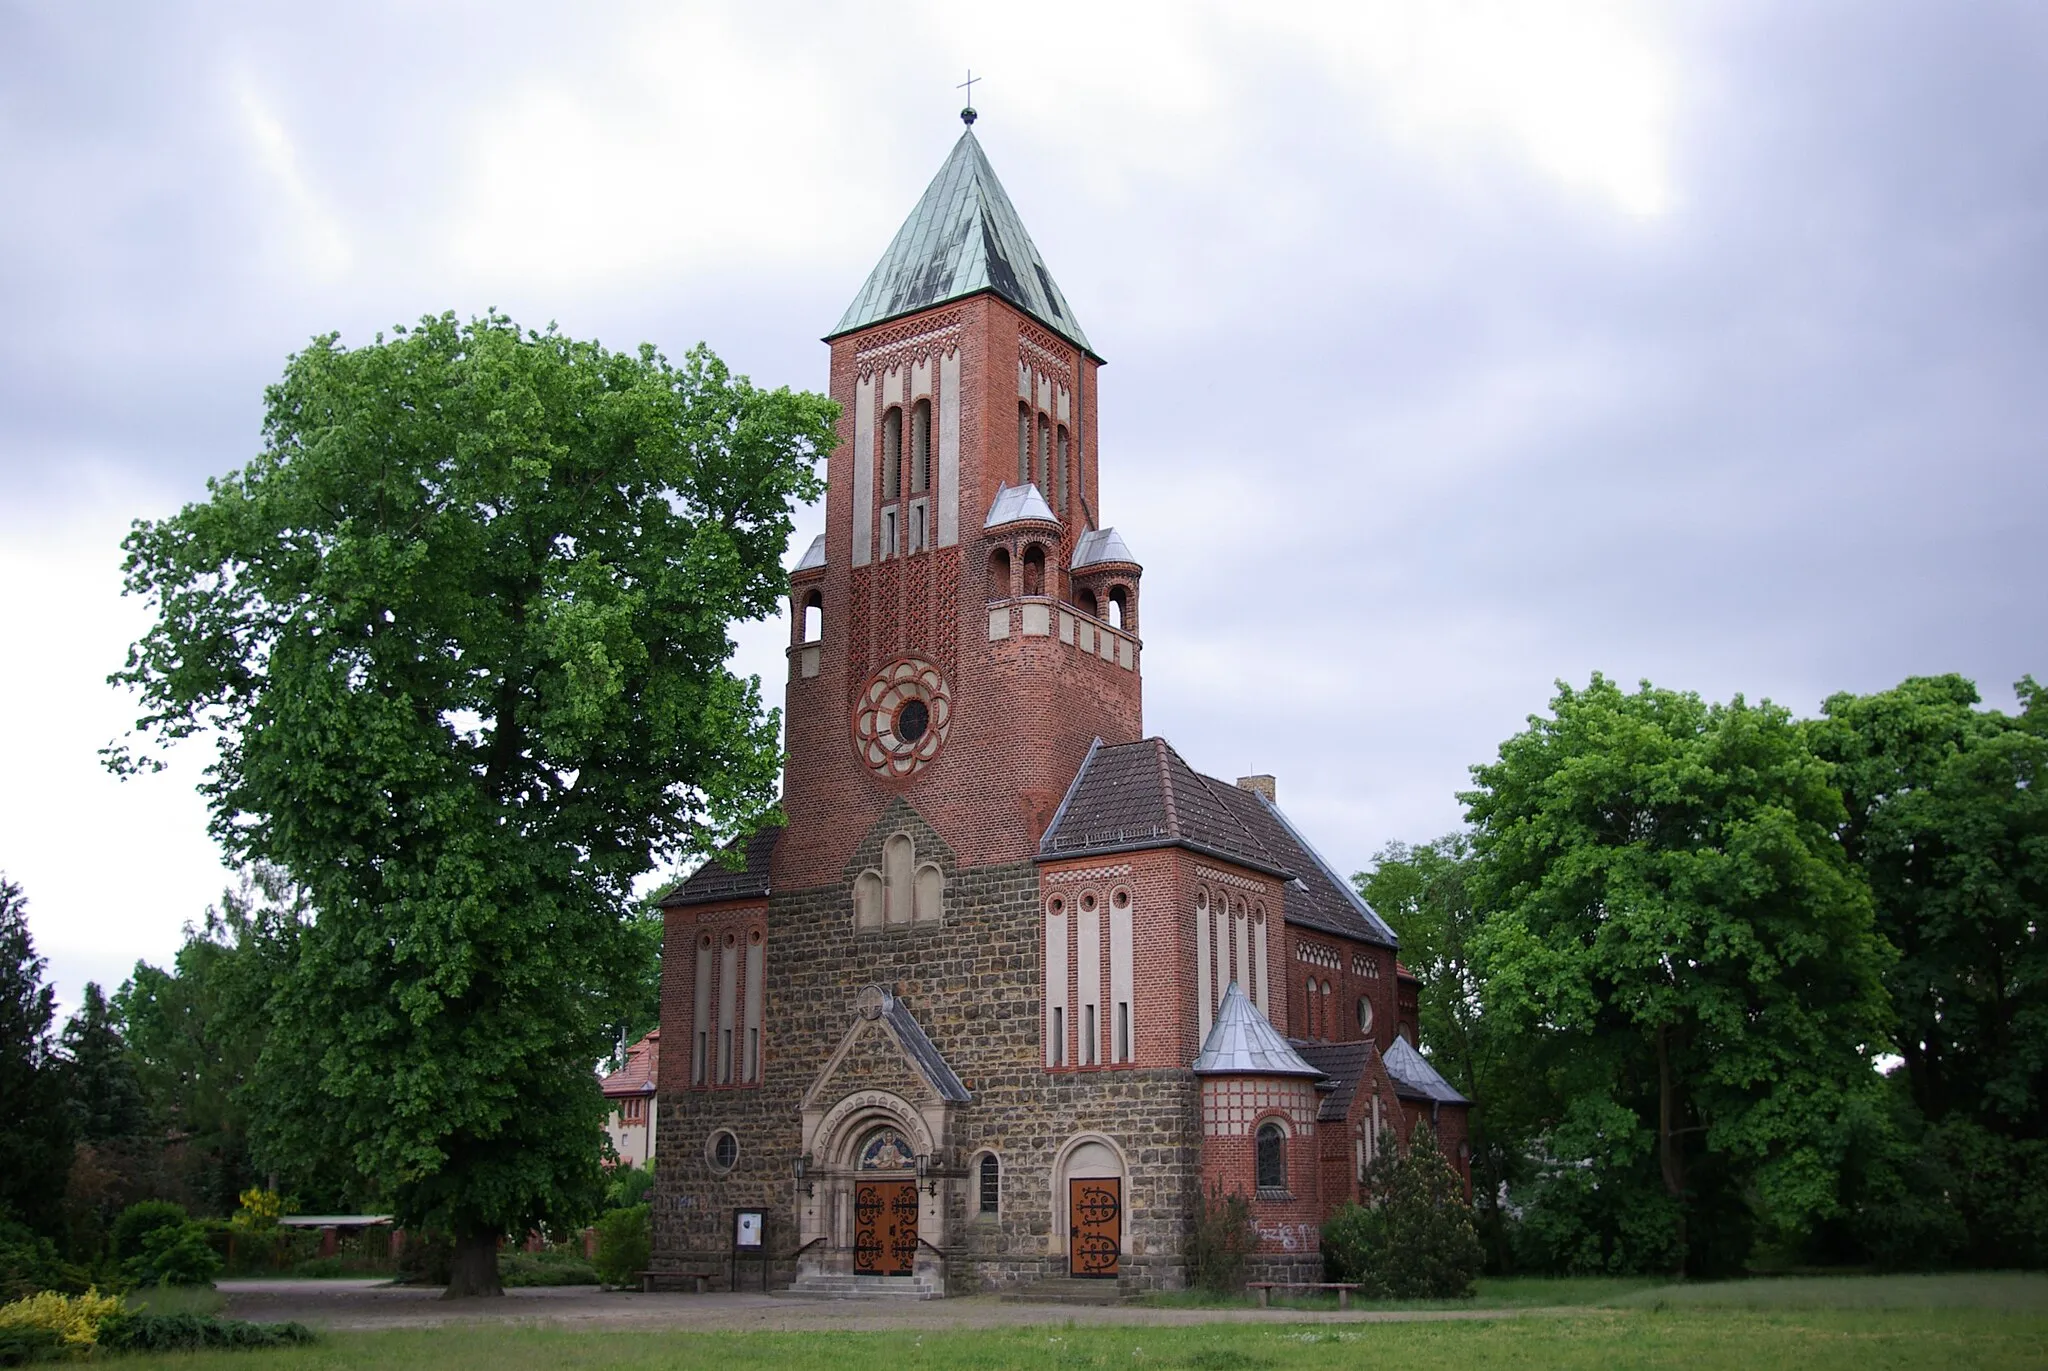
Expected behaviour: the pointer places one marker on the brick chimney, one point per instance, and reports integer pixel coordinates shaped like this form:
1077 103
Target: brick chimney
1265 785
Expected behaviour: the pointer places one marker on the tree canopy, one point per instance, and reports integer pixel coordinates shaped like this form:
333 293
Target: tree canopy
1685 958
461 629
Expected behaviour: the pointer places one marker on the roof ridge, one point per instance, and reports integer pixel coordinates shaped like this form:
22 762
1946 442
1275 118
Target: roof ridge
1160 747
1226 807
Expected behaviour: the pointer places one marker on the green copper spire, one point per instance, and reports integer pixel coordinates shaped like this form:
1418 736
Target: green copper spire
964 237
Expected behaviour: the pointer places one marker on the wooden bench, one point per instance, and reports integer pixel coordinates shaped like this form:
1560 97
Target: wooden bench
1266 1289
647 1279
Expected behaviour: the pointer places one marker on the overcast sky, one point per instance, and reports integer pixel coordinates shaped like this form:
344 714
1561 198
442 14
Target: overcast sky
1454 348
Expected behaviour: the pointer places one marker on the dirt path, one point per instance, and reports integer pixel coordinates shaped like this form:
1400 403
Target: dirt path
357 1305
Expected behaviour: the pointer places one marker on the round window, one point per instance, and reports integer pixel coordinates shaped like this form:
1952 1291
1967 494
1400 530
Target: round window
900 720
912 720
1364 1014
724 1151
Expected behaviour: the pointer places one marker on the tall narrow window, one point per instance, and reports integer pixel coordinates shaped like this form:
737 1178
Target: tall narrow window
1088 1035
892 454
1044 457
1023 445
1060 476
700 1058
814 617
921 447
1272 1157
1123 1030
991 1184
1059 1036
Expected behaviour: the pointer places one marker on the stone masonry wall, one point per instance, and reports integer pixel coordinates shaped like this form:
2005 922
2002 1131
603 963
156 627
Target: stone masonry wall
973 982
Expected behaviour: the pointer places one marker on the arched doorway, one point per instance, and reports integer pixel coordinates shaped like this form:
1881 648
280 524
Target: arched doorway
884 1204
1092 1184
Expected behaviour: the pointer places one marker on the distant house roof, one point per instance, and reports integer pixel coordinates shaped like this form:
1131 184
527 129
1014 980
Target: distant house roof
1410 1068
1243 1043
714 881
1345 1064
637 1075
1015 504
814 555
963 238
1101 545
1142 794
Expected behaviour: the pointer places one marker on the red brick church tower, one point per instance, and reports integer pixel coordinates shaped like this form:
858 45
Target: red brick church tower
1015 981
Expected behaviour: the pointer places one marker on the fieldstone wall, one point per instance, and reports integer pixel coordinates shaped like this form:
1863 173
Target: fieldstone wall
973 982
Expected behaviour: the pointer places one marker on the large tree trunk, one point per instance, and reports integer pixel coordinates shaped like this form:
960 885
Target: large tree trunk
474 1272
1669 1159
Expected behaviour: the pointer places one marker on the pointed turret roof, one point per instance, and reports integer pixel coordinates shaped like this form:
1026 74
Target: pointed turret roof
1243 1043
964 237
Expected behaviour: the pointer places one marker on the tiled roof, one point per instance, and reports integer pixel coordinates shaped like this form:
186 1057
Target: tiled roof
964 237
1345 1064
637 1075
1014 504
1101 545
714 881
1410 1068
1243 1043
1138 795
1320 898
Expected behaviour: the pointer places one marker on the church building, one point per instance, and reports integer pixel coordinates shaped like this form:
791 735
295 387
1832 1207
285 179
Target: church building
1016 983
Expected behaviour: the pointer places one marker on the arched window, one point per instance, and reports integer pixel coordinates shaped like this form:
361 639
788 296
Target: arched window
921 447
1045 457
1060 476
897 859
1118 597
931 883
1365 1015
867 900
999 574
1034 570
1272 1157
1023 444
892 454
991 1184
1309 1012
1085 601
814 617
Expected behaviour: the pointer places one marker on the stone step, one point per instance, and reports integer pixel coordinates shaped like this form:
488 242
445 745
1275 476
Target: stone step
862 1288
1067 1290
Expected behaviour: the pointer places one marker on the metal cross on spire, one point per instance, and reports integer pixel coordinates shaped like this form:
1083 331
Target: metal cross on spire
967 115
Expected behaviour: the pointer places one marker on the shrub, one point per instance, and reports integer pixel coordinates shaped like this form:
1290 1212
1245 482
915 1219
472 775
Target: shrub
74 1321
259 1212
1222 1240
29 1264
191 1332
623 1245
138 1221
1415 1239
548 1268
176 1254
628 1186
22 1344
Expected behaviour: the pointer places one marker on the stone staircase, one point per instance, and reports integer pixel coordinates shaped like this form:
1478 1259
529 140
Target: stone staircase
863 1288
1067 1290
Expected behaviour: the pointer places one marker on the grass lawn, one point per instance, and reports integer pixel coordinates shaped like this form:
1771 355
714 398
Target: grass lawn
1594 1338
1810 1324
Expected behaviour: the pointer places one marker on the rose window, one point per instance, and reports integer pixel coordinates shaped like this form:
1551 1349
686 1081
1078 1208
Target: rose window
900 722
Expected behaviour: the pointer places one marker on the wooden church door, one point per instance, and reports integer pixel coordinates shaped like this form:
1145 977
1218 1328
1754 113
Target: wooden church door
1095 1226
884 1227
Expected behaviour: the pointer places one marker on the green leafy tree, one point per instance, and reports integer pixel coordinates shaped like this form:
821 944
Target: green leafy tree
196 1031
1948 817
1424 892
104 1095
35 1128
1685 952
461 630
1413 1238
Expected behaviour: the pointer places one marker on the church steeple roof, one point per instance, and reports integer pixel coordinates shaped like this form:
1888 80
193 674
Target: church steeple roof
964 237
